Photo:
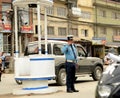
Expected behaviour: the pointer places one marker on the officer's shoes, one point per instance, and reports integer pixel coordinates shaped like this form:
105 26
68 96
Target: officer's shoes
69 91
75 90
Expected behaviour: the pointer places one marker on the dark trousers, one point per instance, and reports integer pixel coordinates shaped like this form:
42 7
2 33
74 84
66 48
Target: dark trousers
70 79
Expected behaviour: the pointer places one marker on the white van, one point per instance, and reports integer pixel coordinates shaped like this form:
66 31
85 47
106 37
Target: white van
87 65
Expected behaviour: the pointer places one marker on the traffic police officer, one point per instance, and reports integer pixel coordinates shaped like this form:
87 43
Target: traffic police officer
70 52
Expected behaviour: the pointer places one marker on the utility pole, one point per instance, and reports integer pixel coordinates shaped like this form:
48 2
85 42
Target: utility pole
68 15
10 14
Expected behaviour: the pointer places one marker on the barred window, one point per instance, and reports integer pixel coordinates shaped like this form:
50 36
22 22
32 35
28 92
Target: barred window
102 13
62 31
84 32
86 15
103 30
73 31
116 32
50 30
61 11
50 10
114 15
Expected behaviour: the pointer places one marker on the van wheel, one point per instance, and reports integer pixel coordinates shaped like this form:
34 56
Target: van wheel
97 73
61 78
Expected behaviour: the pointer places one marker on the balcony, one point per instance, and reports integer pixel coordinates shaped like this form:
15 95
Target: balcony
107 3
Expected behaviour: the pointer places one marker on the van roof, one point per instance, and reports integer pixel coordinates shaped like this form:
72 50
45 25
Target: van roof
49 41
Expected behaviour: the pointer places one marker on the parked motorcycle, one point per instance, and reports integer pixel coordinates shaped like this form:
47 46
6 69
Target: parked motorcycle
109 84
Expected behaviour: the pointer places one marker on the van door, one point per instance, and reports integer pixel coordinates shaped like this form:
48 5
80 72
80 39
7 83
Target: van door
83 62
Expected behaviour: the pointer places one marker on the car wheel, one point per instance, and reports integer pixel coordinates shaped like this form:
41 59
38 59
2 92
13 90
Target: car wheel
97 73
61 79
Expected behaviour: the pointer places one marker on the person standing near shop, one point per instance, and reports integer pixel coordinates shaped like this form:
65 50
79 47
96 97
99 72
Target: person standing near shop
70 52
2 64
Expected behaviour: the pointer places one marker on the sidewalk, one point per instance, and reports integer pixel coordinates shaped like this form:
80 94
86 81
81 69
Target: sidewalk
8 84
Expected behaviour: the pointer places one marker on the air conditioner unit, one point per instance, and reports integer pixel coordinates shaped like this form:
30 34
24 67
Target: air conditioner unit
76 12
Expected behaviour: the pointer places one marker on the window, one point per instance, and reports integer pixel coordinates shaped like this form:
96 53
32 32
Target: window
103 30
57 49
36 29
33 49
61 11
50 30
50 10
62 31
118 15
84 32
81 52
102 13
86 15
114 15
73 31
116 32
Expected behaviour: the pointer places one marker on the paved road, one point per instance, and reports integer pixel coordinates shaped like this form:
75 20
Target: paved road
85 85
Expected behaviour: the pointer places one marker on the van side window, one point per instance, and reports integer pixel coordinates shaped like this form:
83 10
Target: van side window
81 53
57 49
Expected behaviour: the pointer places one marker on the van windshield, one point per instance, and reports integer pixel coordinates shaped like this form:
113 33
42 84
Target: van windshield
33 49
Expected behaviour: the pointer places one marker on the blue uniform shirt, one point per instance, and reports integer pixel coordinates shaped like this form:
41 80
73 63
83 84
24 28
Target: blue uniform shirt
67 50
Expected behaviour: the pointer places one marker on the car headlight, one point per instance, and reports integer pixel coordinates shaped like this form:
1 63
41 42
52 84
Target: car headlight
104 91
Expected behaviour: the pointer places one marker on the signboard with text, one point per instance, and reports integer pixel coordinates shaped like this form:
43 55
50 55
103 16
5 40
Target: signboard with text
27 29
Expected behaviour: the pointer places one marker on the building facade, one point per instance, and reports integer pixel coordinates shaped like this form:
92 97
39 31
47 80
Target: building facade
97 19
59 23
107 17
86 19
5 26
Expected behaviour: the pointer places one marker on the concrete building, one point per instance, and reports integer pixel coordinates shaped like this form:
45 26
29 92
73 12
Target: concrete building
86 20
60 20
107 17
5 26
99 19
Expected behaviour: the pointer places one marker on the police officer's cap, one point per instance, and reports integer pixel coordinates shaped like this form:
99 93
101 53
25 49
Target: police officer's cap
70 37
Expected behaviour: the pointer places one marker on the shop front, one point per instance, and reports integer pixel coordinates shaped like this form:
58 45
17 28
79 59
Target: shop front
98 47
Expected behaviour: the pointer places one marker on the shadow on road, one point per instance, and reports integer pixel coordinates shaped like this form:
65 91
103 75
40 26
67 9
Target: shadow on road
76 82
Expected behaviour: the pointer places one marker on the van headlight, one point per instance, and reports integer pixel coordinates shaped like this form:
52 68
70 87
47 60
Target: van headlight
104 91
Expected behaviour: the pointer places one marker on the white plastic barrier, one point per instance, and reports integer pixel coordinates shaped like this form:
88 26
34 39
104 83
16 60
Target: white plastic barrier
42 66
22 67
34 71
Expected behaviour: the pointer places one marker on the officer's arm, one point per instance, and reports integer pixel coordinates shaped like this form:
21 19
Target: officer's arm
64 49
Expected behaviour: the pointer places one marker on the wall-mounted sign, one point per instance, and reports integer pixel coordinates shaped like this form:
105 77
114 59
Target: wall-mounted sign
116 38
27 29
98 40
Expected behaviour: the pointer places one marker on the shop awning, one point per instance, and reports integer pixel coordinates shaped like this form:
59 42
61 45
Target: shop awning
113 44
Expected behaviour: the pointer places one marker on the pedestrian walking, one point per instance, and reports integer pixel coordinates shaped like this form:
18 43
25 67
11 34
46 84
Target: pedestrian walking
2 64
70 52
